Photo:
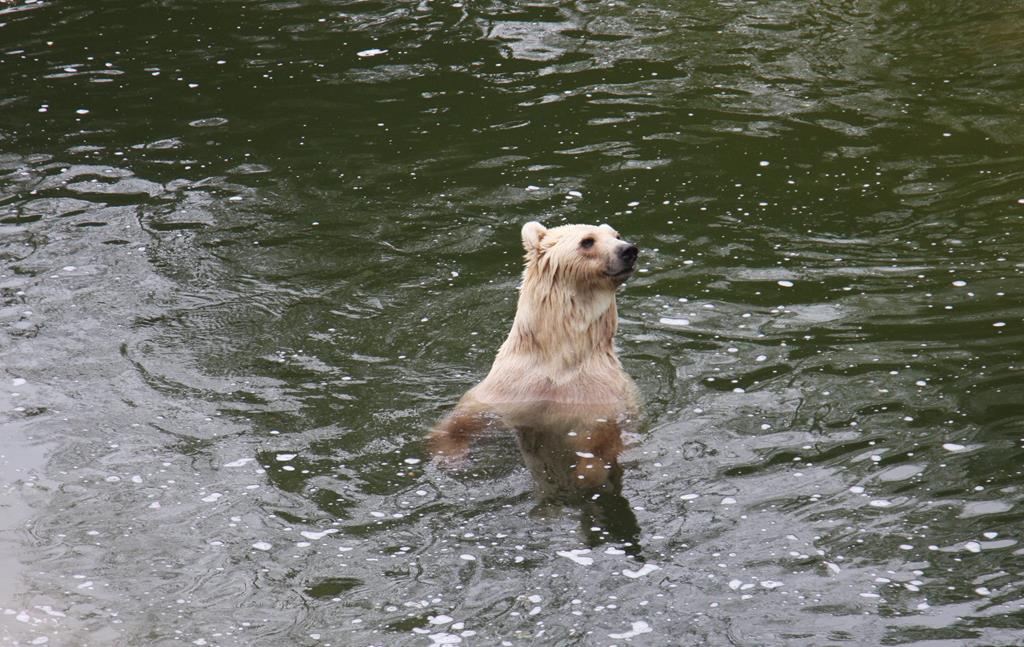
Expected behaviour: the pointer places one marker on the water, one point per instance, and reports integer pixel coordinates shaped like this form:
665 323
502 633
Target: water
249 253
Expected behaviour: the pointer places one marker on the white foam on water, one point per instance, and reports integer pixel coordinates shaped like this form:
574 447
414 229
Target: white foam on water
646 569
577 556
50 611
636 629
308 534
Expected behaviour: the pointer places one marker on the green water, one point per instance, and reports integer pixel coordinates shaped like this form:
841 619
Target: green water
250 252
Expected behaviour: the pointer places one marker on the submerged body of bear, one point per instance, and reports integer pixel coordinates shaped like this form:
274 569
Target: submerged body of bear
557 380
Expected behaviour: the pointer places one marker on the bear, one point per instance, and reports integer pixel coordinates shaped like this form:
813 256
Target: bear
557 380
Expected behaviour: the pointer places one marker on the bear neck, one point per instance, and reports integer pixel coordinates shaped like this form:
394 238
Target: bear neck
565 328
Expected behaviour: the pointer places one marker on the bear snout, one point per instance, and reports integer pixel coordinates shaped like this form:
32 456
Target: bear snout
628 254
623 264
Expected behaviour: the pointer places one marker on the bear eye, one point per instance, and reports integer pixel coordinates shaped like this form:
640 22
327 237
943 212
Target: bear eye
587 243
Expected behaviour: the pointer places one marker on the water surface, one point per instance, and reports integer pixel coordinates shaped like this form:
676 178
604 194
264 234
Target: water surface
249 253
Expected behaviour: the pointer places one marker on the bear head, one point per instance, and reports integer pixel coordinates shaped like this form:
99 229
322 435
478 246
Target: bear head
586 255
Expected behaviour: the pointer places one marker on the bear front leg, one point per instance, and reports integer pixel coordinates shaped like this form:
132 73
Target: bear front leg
450 438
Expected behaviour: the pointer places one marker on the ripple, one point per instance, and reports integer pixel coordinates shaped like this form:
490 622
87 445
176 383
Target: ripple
123 187
250 169
901 472
982 508
208 122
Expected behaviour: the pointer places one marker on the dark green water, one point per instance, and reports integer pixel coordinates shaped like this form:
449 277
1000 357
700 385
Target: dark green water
250 252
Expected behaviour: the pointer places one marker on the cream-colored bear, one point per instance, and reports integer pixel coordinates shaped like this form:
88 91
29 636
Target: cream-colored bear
557 380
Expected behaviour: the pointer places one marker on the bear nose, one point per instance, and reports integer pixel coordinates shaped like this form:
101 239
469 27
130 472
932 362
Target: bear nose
629 253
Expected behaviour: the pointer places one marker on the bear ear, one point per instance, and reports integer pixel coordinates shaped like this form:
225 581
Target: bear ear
532 234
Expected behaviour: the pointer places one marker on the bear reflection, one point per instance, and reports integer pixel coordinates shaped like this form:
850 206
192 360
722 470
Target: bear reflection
577 463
